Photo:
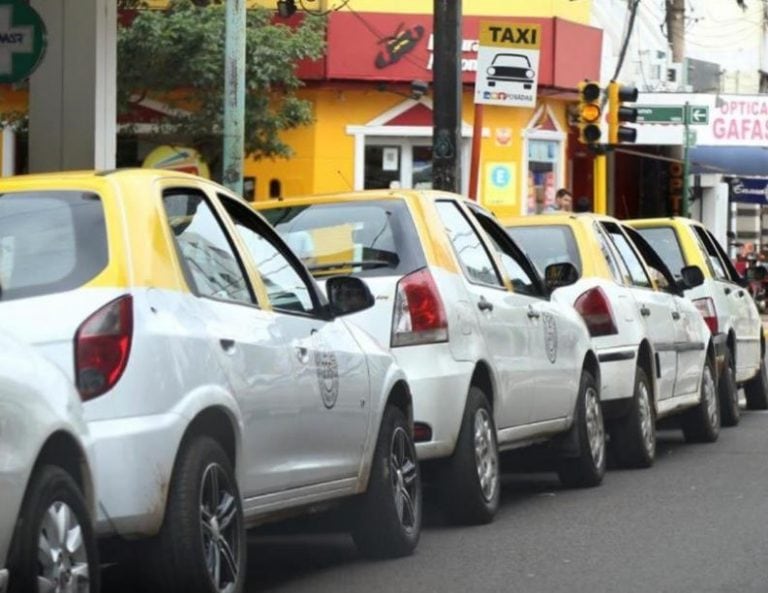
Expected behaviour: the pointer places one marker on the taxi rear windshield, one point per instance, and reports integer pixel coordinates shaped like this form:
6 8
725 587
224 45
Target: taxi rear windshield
664 242
547 245
376 238
50 241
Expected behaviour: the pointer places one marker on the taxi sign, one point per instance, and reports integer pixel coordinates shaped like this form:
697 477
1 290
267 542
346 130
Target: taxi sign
22 40
508 64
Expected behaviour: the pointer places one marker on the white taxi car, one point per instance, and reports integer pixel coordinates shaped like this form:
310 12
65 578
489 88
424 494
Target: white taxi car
493 363
221 388
47 540
725 303
656 353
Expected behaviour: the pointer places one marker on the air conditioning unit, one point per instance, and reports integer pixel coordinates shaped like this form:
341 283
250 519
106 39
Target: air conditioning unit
675 74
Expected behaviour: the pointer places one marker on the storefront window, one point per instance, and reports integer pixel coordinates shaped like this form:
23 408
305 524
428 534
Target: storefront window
382 166
402 163
542 174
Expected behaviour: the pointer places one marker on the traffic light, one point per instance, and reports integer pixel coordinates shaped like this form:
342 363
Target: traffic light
618 113
589 112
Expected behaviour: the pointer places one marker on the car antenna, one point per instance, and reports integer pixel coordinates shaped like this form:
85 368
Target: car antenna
351 188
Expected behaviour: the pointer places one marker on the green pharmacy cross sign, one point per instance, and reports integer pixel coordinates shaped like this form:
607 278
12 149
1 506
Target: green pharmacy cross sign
22 40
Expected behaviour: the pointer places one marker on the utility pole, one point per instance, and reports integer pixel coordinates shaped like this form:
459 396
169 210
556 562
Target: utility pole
675 19
234 96
447 91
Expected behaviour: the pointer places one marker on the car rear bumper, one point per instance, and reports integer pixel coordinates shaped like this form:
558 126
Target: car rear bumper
132 461
439 386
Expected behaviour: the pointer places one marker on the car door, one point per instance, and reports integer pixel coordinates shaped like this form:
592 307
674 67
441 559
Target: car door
553 332
657 309
691 335
505 319
244 340
743 311
329 370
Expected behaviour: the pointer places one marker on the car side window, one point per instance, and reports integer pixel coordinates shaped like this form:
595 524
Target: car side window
286 287
475 260
519 270
209 260
730 269
627 253
620 273
717 267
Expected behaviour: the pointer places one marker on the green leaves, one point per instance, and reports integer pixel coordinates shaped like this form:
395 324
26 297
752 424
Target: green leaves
176 56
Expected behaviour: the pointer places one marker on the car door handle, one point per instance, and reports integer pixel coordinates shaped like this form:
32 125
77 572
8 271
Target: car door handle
645 311
727 290
227 344
533 313
484 304
675 315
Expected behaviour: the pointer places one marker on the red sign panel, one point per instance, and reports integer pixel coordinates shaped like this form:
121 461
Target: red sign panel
400 48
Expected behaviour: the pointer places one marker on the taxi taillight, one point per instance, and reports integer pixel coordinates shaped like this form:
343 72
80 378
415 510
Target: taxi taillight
596 311
102 346
706 307
419 316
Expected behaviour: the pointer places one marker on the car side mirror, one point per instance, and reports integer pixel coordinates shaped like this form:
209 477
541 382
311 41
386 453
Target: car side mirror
756 273
348 294
692 277
560 274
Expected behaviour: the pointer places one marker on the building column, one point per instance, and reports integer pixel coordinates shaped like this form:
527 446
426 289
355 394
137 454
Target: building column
72 94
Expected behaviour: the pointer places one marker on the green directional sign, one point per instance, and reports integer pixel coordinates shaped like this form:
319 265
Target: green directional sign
659 114
698 114
22 40
672 114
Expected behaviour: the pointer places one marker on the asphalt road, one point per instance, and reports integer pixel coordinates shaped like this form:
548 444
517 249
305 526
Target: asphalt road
695 522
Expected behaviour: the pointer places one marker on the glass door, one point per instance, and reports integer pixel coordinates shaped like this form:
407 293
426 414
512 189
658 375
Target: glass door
398 162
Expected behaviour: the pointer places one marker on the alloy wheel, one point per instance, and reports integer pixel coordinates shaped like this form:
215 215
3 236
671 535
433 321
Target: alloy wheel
710 398
646 419
595 427
486 458
61 553
220 523
404 478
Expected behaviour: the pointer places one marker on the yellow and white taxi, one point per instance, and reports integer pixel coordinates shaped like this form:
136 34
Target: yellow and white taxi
725 303
220 386
493 363
655 350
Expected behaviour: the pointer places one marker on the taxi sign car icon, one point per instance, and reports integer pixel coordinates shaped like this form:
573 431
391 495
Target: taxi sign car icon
511 68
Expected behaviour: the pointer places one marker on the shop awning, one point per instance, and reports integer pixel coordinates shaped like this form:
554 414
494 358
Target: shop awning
749 161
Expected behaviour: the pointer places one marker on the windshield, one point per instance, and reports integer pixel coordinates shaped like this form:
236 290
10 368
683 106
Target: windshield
512 61
376 238
665 243
547 245
50 241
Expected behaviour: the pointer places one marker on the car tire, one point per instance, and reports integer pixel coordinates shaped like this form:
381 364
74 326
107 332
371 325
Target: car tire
756 389
586 470
633 436
701 424
53 500
728 391
388 515
203 531
471 483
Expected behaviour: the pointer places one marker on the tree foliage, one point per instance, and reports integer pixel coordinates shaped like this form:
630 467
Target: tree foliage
177 56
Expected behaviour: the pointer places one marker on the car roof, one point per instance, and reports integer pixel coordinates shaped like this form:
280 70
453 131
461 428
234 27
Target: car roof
665 221
72 178
366 195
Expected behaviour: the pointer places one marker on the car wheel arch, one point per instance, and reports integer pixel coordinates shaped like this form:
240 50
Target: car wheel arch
592 365
647 361
215 422
62 450
482 378
400 397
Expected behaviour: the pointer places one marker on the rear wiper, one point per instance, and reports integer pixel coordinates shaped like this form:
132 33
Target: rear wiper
365 263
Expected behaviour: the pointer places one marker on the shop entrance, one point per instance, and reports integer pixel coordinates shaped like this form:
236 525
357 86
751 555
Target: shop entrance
392 163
